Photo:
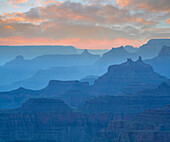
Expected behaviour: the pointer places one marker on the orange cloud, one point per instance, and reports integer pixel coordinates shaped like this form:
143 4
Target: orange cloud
168 21
49 1
76 23
9 27
123 3
19 17
14 2
17 1
151 5
79 43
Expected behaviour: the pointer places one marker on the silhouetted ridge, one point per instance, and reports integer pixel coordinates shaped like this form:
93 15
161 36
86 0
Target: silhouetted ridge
114 56
152 48
158 41
60 87
86 53
129 77
19 57
130 49
119 51
131 65
44 105
19 90
18 61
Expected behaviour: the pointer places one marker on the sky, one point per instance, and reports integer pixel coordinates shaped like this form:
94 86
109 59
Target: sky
86 24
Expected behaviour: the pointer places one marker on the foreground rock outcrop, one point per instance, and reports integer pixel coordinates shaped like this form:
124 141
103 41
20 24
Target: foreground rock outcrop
51 120
150 126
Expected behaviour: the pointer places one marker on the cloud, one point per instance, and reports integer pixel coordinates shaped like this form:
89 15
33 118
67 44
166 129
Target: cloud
76 23
14 2
49 1
150 5
168 21
94 14
9 27
77 42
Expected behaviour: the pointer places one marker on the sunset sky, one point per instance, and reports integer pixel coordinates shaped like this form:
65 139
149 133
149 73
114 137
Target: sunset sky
90 24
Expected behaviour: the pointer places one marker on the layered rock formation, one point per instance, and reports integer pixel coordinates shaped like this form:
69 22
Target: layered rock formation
15 98
137 103
75 98
56 87
56 123
150 126
50 120
44 105
129 77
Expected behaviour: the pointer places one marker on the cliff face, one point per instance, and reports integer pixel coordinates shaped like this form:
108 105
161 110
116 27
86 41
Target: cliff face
129 77
44 105
124 104
68 126
49 120
150 126
137 103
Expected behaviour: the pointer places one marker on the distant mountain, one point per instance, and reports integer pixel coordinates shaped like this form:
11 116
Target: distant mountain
152 48
95 51
129 77
114 56
41 78
8 53
161 63
131 49
162 90
53 60
137 103
21 69
90 79
15 98
120 54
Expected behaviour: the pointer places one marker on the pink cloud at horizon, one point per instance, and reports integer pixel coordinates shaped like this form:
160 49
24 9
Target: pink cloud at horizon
77 42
